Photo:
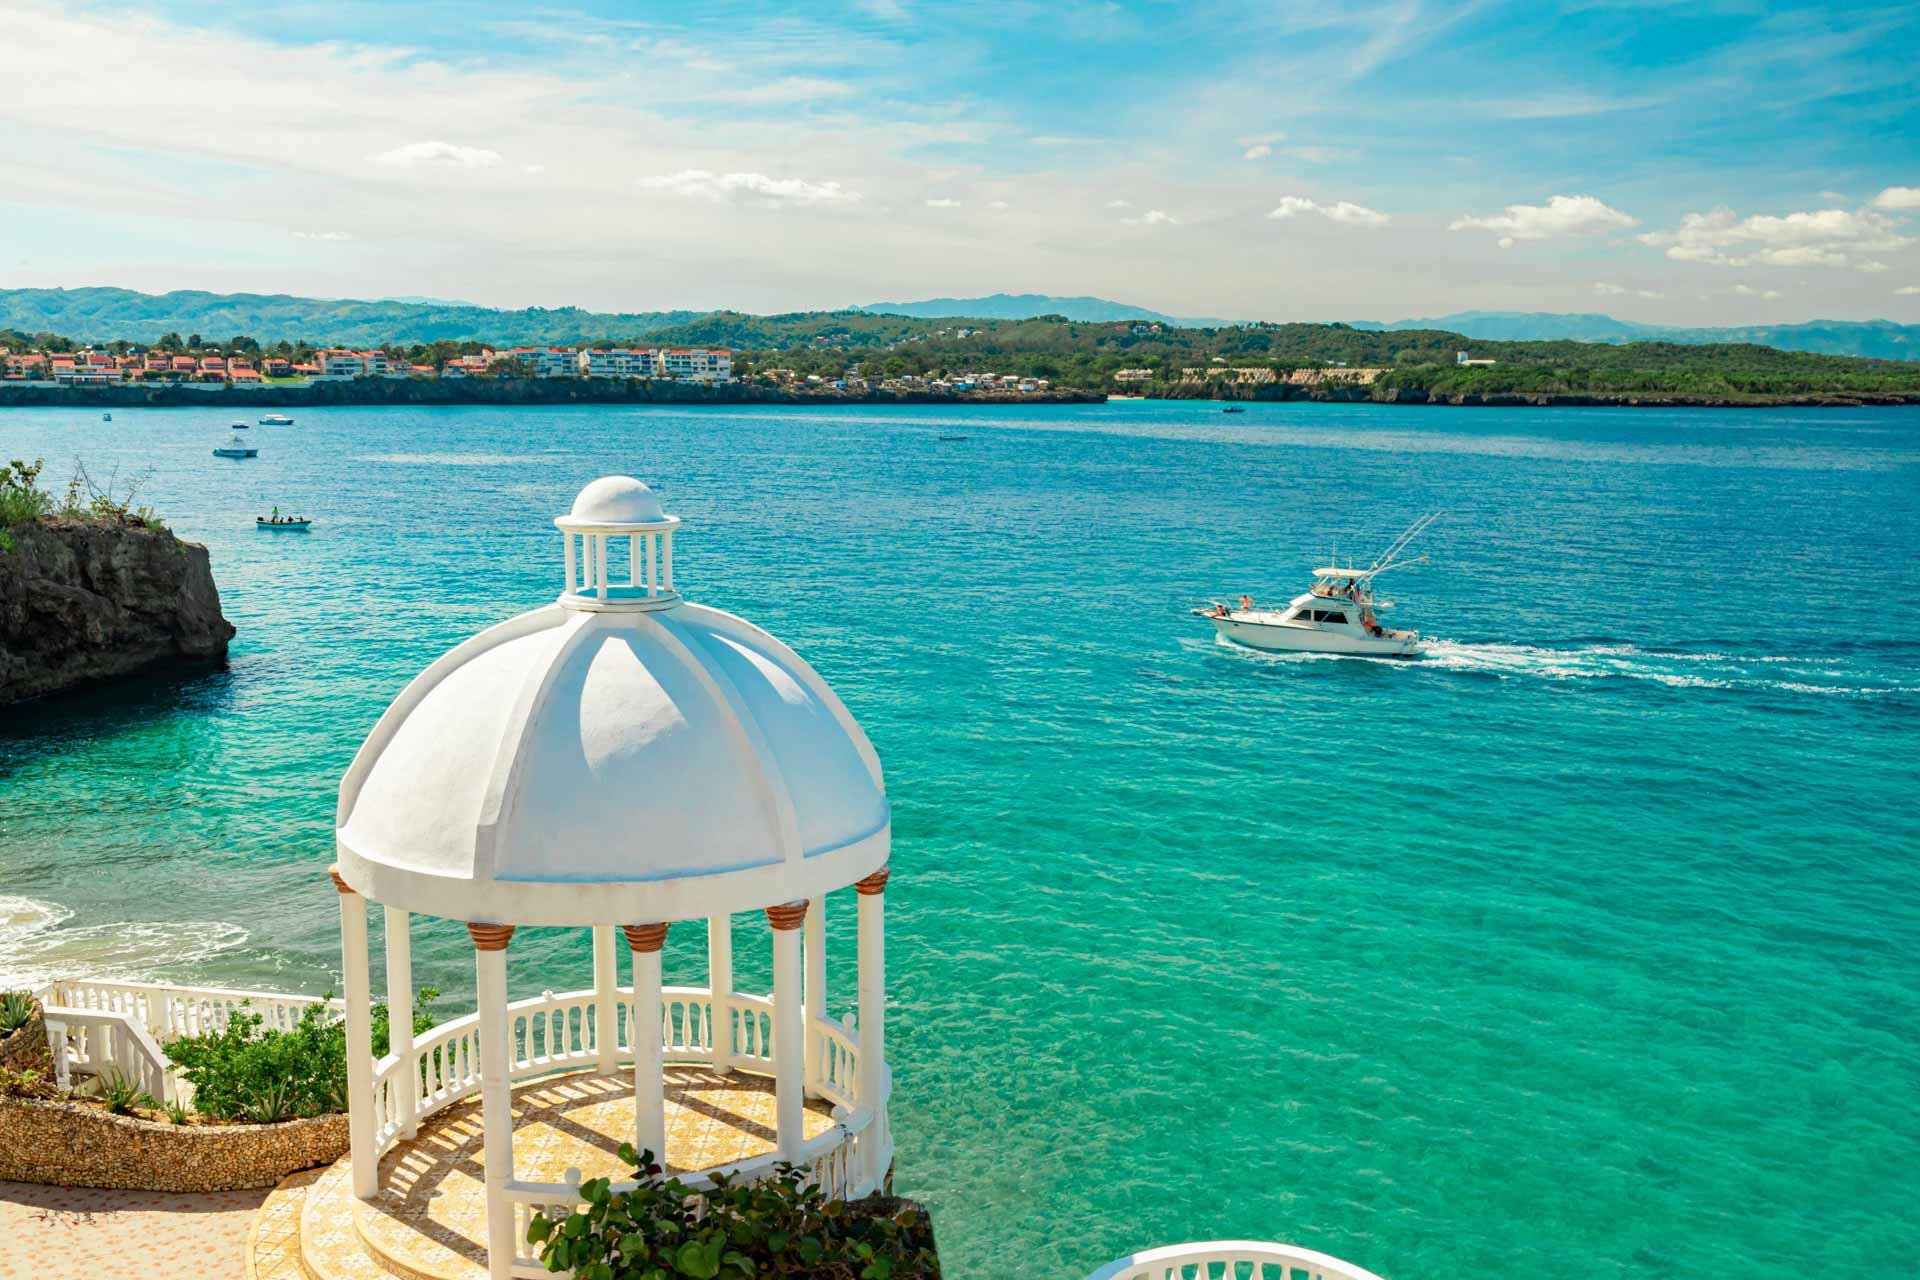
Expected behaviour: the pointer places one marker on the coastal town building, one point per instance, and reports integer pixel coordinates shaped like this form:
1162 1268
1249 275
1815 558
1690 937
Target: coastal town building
620 362
1462 358
1133 375
692 364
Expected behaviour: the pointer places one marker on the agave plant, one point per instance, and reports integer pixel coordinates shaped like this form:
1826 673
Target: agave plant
16 1011
123 1096
268 1101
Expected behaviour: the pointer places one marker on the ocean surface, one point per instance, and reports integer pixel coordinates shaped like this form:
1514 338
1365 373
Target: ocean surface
1588 946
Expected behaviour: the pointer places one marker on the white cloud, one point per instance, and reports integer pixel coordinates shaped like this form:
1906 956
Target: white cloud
998 204
1151 218
1614 291
1822 238
450 155
1832 195
1119 204
942 202
536 169
1258 151
1908 291
322 235
1559 216
1342 211
1871 268
1898 198
1313 154
791 89
1608 289
1748 291
704 184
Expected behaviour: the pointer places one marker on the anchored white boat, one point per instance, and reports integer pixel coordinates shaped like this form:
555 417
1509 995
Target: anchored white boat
236 448
1338 614
275 420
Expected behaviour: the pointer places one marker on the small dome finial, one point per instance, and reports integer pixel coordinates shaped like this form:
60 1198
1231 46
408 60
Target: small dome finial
612 511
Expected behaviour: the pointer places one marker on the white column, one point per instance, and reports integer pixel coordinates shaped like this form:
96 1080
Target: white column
606 1001
873 1016
649 1085
496 1092
816 958
570 569
666 562
720 983
644 542
353 966
600 548
406 1080
633 561
789 1030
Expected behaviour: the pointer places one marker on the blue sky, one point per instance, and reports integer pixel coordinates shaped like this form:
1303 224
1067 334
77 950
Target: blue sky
1688 162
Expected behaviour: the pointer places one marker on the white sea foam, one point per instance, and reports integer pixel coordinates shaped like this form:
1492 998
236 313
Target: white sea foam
1674 670
34 945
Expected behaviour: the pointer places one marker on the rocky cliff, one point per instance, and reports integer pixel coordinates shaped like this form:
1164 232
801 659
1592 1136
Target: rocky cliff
85 600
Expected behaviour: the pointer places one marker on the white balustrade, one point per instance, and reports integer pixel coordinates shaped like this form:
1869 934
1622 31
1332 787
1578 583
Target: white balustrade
1231 1260
106 1045
168 1010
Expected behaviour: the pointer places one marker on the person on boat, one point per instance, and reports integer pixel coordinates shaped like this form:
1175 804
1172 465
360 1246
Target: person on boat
1246 603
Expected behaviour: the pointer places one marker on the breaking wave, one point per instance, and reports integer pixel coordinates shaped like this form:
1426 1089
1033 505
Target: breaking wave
35 945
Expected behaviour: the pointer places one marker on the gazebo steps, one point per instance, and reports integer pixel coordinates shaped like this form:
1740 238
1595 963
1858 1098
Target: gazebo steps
428 1221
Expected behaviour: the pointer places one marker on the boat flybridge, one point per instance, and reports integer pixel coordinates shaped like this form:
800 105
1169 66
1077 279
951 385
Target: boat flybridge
1337 614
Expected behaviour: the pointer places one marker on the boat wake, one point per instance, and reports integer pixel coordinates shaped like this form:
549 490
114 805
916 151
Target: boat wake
1833 675
34 945
1676 669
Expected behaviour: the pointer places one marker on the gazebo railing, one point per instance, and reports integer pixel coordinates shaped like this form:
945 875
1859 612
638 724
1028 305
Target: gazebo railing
1231 1260
555 1032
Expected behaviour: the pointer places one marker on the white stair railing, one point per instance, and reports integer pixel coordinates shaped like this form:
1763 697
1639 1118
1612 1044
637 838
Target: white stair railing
107 1046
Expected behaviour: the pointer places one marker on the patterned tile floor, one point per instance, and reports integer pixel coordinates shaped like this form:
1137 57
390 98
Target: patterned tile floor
48 1232
430 1218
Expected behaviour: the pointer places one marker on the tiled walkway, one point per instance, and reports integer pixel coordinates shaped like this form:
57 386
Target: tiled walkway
429 1219
48 1232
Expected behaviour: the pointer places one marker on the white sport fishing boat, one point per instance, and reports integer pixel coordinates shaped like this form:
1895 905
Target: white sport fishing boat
1338 614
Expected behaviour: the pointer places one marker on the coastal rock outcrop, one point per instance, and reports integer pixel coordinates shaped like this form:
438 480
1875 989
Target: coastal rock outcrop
85 600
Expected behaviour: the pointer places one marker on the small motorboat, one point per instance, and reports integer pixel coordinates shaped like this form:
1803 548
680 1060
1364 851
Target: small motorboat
954 438
242 426
106 417
1235 408
275 420
1338 614
236 448
278 521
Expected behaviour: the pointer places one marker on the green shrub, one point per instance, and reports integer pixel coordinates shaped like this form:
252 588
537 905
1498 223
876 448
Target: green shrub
16 1011
775 1227
26 1084
21 497
247 1072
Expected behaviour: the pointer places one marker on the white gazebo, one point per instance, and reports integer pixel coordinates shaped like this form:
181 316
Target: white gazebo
618 760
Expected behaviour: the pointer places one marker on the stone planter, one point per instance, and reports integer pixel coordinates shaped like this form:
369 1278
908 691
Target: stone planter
26 1049
70 1145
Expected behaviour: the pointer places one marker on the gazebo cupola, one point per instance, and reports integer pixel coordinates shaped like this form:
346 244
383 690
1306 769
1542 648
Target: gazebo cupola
618 761
610 510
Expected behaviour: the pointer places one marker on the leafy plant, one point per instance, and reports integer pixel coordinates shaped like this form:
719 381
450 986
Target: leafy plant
247 1071
26 1084
176 1112
21 497
16 1011
122 1096
778 1226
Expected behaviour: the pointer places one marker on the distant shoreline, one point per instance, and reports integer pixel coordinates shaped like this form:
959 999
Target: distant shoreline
552 391
495 391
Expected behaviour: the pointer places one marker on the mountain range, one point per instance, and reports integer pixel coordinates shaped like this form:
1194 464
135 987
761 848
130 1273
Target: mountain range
103 314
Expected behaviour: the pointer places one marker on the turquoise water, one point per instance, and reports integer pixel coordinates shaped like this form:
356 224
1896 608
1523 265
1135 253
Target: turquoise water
1588 946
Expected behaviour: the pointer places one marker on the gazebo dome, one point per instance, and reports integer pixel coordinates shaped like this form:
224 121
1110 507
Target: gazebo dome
619 756
616 500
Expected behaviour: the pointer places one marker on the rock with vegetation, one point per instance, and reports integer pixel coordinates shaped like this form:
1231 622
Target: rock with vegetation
93 589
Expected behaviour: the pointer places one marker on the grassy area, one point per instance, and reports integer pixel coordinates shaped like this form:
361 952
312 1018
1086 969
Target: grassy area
23 500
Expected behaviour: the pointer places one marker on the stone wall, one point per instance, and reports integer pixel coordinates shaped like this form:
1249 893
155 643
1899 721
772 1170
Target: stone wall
69 1144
